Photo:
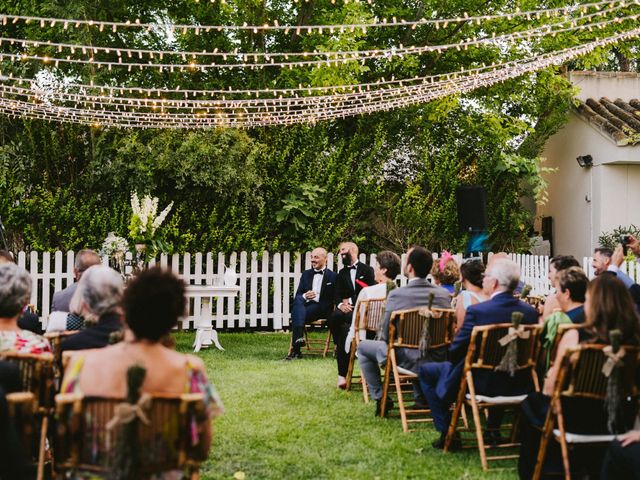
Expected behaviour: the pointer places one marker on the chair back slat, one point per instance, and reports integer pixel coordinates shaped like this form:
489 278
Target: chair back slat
583 375
410 325
373 314
36 375
83 441
488 352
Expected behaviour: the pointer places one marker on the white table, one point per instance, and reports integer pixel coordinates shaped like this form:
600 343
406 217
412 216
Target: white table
205 333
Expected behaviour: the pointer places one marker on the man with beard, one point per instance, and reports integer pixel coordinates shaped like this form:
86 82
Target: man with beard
352 278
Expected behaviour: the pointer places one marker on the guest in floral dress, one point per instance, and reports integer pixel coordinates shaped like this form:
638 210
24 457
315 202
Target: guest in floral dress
153 302
15 292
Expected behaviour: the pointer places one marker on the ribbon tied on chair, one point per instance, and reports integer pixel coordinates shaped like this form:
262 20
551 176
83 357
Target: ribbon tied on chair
613 360
513 334
127 412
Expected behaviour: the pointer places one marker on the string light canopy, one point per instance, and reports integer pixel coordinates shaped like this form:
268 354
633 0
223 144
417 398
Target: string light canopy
308 29
15 101
61 95
188 60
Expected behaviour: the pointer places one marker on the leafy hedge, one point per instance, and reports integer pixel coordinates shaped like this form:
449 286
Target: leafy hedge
385 180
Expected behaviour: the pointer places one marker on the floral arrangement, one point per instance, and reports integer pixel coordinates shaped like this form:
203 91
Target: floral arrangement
144 223
114 245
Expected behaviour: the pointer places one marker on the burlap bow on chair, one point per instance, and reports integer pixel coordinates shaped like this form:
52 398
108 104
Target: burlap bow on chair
126 412
513 334
613 360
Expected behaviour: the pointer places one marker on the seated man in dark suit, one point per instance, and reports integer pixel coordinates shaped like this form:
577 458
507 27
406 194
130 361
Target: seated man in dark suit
84 260
440 381
373 353
352 278
313 300
97 299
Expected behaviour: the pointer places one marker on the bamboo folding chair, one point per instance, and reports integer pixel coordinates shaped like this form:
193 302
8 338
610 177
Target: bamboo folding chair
55 340
167 442
368 318
581 376
315 346
36 376
21 412
485 353
406 330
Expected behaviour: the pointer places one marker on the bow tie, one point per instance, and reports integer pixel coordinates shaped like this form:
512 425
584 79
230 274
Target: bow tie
352 267
318 272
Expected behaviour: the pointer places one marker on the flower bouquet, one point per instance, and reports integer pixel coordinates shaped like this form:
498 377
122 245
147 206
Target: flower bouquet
144 225
115 248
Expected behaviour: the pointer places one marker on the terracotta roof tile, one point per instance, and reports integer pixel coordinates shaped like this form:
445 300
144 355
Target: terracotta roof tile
619 120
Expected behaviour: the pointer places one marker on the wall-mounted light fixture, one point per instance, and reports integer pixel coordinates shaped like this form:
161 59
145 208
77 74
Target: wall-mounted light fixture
585 161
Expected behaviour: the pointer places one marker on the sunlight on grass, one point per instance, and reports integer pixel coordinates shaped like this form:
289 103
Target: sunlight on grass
287 420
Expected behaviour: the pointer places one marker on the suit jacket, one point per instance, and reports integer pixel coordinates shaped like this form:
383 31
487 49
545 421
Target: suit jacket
327 291
493 311
61 299
94 336
344 287
413 295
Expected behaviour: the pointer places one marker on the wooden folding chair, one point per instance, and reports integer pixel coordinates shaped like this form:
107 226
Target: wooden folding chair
580 376
36 376
315 346
55 340
21 412
168 442
406 330
485 353
368 318
550 353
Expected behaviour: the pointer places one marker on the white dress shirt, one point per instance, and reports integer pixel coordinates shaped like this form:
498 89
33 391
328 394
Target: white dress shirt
317 285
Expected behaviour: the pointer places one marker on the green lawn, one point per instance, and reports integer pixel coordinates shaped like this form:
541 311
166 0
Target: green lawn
287 420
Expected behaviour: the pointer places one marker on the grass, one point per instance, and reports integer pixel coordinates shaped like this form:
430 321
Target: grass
287 420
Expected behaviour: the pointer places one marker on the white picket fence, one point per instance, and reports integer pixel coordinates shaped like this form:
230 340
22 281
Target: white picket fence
267 281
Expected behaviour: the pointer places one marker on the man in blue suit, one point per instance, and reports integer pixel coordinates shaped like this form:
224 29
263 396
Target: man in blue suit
440 381
313 300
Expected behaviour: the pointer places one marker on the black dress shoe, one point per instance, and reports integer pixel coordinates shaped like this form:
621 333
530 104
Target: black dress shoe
387 408
492 438
456 443
293 356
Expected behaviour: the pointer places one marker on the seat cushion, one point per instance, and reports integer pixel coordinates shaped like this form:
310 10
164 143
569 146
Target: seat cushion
580 438
500 400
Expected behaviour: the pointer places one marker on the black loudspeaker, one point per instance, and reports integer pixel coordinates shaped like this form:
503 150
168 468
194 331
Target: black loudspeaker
472 208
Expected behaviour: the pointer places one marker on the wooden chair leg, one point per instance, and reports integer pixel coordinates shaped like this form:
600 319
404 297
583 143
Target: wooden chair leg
465 420
327 343
385 385
365 391
398 384
458 407
352 361
43 445
478 425
547 431
563 443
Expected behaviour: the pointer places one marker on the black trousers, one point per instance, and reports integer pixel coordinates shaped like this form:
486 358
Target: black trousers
621 463
339 324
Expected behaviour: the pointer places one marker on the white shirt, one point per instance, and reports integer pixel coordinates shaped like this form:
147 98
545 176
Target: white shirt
317 285
353 275
378 290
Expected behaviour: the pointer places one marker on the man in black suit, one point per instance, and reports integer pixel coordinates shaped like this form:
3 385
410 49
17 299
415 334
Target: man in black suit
352 278
440 381
313 300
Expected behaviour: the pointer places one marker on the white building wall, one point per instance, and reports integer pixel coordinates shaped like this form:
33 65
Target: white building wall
584 202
